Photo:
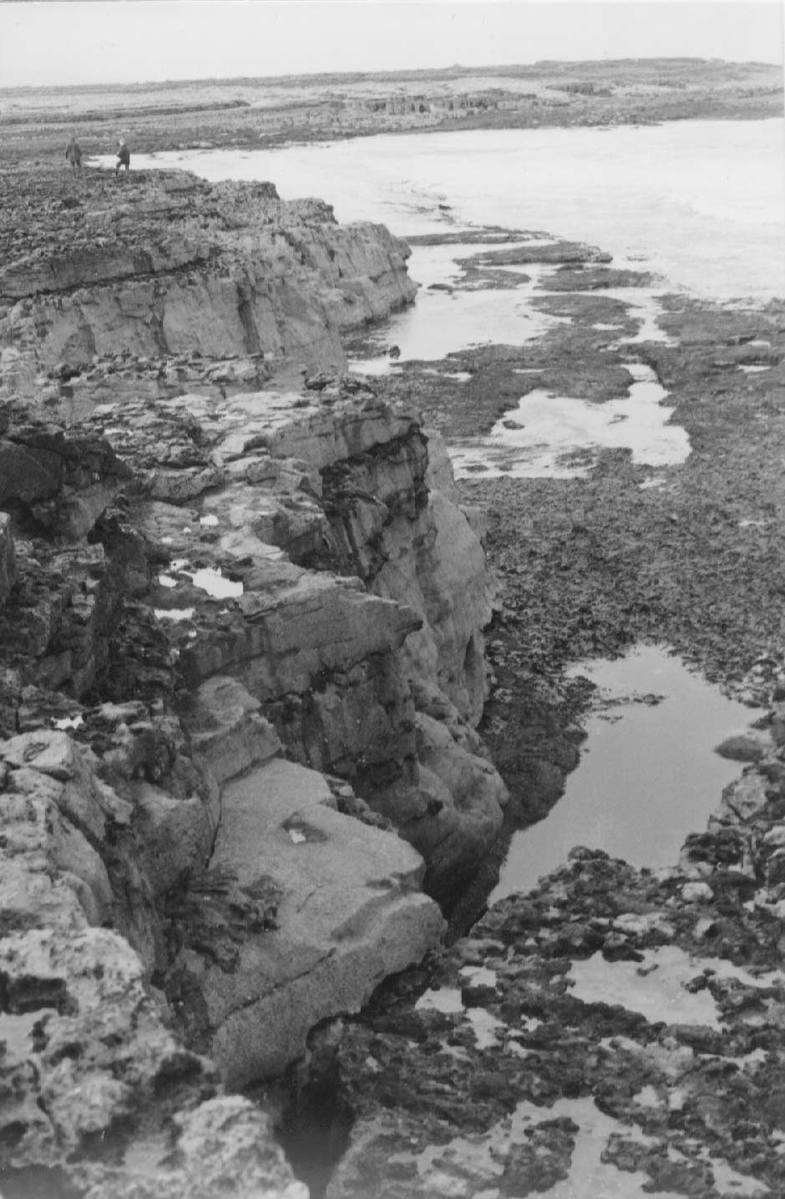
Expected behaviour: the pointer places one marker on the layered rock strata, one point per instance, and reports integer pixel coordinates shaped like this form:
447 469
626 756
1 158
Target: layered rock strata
240 646
175 266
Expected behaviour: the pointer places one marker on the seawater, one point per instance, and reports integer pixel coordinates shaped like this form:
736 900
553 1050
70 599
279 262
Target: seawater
648 774
699 202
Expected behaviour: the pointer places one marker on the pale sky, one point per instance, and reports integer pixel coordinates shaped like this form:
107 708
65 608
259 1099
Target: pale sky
125 41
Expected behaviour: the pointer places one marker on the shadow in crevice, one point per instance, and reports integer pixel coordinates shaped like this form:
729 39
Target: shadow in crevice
317 1119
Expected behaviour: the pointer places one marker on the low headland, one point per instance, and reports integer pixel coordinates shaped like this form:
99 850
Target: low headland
276 688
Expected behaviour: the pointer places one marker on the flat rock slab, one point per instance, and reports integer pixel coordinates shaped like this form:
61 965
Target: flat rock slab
351 913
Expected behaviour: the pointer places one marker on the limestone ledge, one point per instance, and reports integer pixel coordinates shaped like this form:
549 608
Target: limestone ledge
277 491
241 644
180 266
222 560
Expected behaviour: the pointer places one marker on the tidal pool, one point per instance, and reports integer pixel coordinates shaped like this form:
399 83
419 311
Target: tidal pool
657 986
559 437
648 774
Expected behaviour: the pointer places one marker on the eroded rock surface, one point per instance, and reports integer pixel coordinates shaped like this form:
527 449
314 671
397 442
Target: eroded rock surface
178 266
249 511
99 1095
240 651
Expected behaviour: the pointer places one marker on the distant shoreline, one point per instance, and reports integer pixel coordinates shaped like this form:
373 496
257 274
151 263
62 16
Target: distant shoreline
266 112
513 70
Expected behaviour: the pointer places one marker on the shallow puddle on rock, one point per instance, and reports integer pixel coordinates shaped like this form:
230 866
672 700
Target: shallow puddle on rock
69 722
645 307
648 774
560 436
479 976
216 584
443 999
174 613
484 1026
656 987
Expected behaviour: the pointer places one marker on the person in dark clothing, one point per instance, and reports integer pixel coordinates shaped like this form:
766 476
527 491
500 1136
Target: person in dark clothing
123 158
73 153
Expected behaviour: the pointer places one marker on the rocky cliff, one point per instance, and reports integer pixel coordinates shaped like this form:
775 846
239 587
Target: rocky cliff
173 266
241 661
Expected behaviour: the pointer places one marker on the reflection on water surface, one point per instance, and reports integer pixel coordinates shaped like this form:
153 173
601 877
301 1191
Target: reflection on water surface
648 775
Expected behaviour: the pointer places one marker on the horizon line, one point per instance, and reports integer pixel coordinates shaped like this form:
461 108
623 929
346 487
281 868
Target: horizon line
398 72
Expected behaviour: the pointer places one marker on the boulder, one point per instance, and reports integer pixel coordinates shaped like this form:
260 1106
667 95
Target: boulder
749 746
467 815
744 798
224 1146
350 913
60 480
81 796
89 1061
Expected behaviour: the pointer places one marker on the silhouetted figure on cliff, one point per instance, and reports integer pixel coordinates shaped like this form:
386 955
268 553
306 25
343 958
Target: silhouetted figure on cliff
123 158
73 153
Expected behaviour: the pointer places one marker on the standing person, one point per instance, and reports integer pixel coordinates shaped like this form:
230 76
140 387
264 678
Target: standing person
73 153
123 157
